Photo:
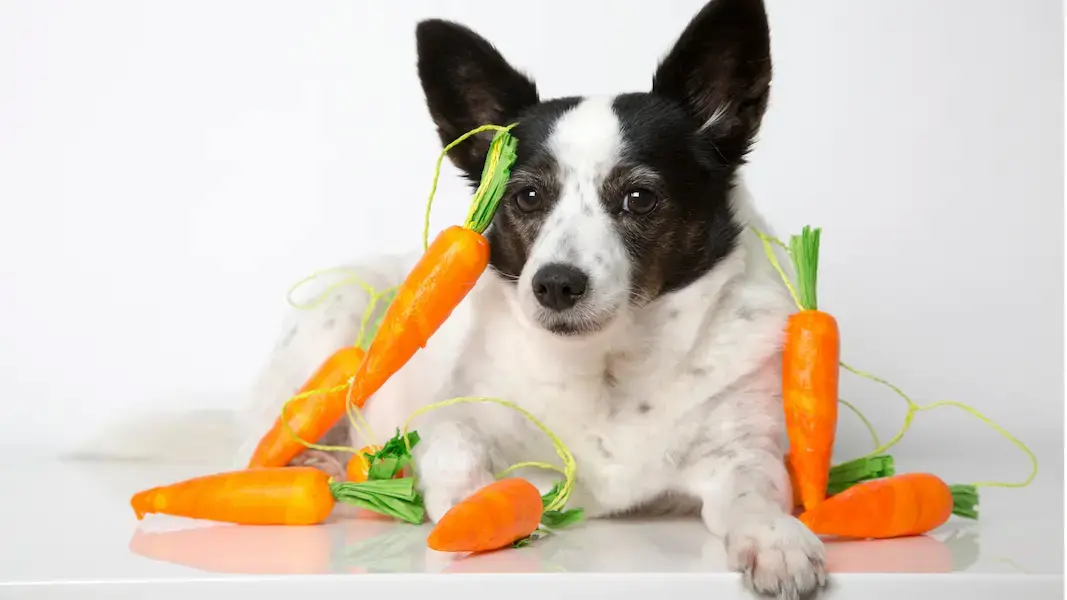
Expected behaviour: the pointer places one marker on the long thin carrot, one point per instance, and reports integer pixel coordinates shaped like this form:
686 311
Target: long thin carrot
266 496
310 417
444 275
809 377
897 506
289 495
495 516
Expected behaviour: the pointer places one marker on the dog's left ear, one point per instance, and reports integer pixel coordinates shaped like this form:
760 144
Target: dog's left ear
720 71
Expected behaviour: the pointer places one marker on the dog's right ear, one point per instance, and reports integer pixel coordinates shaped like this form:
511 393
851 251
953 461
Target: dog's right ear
468 84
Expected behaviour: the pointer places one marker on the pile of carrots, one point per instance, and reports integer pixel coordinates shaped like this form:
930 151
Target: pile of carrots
870 500
268 492
862 499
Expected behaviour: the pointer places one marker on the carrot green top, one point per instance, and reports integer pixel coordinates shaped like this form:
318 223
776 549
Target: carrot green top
804 250
495 176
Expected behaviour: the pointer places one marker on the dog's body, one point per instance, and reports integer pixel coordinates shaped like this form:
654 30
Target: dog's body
627 307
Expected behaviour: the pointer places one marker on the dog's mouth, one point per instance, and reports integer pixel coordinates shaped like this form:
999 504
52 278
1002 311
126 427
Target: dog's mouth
574 324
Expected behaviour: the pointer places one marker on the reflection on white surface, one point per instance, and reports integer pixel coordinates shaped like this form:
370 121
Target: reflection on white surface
370 545
46 538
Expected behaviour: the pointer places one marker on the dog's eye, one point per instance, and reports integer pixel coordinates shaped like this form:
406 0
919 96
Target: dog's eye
639 202
528 200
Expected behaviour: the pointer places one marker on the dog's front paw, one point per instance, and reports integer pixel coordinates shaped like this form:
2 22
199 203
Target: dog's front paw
778 556
440 497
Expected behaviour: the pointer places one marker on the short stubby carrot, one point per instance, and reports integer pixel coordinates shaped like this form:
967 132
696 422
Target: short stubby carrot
359 465
495 516
264 496
897 506
810 377
311 417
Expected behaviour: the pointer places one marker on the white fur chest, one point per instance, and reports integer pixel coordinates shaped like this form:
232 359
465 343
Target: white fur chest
613 402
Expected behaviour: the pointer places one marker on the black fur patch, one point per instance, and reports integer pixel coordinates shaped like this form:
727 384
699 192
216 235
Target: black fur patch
683 141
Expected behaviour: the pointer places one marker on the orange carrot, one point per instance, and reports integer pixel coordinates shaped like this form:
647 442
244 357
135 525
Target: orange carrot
901 505
267 496
291 495
437 284
495 516
312 417
809 377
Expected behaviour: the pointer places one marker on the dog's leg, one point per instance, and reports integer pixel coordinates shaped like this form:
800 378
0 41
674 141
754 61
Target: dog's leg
454 462
746 499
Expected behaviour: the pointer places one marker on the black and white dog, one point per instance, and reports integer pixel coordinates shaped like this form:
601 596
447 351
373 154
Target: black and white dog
627 306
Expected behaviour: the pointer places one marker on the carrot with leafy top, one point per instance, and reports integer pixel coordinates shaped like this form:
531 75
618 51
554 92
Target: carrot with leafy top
897 506
309 417
810 377
443 276
290 495
495 516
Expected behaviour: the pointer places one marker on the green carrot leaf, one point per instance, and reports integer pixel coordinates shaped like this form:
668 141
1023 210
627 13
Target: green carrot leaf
392 457
848 474
557 519
964 501
495 175
395 498
804 250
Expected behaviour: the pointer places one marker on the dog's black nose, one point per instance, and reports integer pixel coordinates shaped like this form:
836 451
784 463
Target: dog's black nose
558 287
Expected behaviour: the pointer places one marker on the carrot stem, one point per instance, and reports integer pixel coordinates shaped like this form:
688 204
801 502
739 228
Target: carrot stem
804 250
495 174
848 474
964 501
395 498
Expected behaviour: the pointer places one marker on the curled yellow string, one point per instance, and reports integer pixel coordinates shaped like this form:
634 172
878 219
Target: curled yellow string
570 466
913 407
437 175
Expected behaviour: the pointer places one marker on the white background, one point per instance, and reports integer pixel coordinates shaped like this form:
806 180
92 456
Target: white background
167 170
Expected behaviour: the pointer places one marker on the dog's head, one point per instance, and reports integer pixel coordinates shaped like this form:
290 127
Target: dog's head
613 201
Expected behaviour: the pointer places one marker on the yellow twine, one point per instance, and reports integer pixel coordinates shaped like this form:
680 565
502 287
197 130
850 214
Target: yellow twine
570 467
913 407
437 174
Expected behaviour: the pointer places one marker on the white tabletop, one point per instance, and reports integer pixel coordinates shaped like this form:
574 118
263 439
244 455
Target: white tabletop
66 530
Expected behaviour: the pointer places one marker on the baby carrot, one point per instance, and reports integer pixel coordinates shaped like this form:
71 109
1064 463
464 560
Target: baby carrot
901 505
495 516
311 417
809 377
266 496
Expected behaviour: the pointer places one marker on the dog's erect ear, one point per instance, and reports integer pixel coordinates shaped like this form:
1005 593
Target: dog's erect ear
720 70
468 84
